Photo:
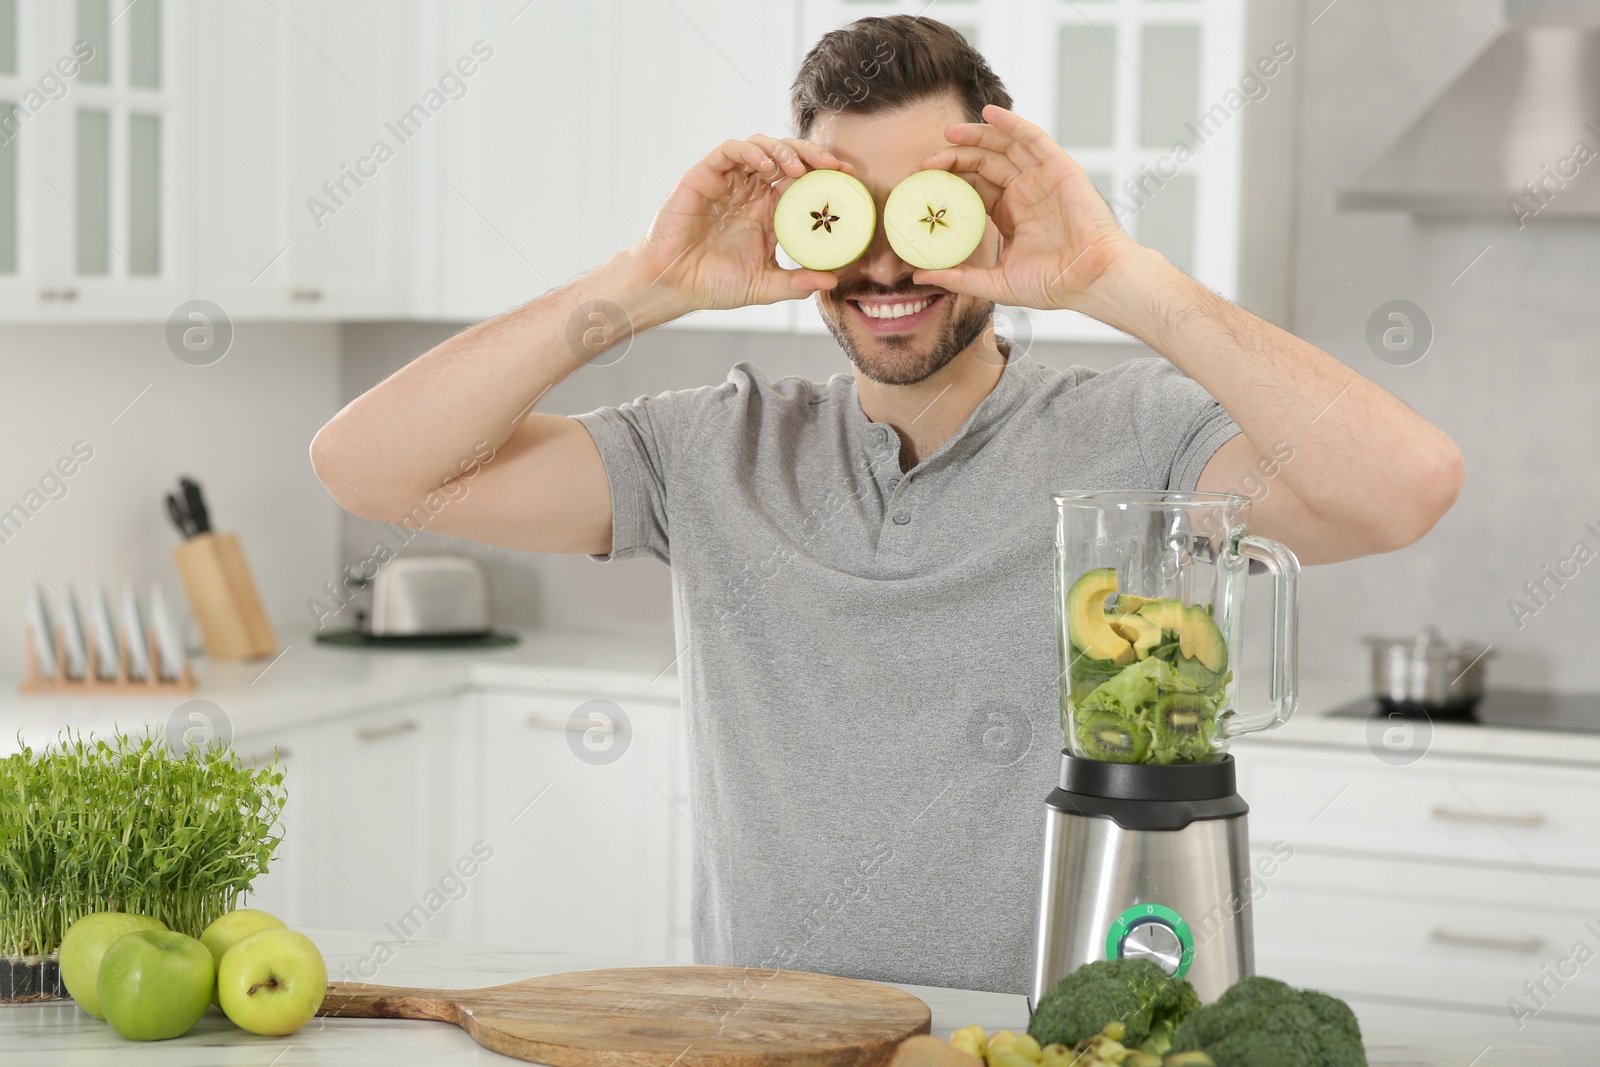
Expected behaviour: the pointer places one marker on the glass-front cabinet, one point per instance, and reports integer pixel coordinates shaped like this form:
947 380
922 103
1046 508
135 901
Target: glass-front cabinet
88 186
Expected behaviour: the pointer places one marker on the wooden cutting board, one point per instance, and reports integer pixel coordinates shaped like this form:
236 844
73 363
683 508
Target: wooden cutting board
662 1016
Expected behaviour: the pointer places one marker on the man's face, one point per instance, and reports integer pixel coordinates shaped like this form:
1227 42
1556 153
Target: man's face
884 148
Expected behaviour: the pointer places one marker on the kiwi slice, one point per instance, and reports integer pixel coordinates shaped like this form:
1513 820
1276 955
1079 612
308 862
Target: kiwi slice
1182 724
1111 738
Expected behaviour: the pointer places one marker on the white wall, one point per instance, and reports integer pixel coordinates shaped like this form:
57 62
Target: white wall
1512 374
240 427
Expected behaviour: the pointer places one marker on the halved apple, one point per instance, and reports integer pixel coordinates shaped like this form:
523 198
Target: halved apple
934 220
825 220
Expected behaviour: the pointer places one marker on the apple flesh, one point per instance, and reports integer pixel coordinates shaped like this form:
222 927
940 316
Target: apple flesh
934 220
228 930
272 982
155 984
825 220
84 946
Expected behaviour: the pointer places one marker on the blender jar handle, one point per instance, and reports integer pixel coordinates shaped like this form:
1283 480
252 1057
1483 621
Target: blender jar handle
1283 681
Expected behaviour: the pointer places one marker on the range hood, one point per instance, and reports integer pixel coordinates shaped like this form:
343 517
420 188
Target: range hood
1515 137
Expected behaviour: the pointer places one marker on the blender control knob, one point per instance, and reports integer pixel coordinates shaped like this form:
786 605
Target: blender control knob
1155 941
1152 932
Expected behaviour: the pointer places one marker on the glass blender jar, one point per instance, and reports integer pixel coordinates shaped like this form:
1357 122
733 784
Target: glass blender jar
1150 614
1147 851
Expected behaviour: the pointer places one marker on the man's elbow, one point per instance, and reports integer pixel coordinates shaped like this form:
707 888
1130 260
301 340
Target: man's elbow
1431 489
334 467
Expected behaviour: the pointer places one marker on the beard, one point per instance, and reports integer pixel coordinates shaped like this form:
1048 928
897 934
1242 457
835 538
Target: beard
896 359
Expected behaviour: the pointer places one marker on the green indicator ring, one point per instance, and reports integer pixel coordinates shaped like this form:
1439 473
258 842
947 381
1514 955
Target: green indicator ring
1143 914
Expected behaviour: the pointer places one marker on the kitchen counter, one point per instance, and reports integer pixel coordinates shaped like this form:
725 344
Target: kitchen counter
310 682
58 1035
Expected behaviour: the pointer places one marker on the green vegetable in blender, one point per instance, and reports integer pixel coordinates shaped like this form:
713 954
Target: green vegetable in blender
1135 993
1111 738
1155 692
1262 1022
1182 725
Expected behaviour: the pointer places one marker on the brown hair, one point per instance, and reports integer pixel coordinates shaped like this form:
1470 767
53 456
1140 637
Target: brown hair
879 64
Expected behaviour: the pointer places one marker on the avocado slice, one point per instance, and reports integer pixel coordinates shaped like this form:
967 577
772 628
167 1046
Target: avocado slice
1198 636
1127 603
1141 632
1087 622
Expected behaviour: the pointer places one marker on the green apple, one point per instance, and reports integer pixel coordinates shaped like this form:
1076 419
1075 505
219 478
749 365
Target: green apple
230 929
933 219
85 944
825 220
272 982
155 984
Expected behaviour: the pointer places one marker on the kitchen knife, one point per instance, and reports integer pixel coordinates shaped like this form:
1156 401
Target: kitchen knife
180 517
195 504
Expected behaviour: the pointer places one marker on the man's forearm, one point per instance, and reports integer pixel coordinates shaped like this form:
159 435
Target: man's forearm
406 436
1361 457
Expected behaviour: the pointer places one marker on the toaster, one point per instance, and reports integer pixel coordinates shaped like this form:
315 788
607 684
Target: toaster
425 596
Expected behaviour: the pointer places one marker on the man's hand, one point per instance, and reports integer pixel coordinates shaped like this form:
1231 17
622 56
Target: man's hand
712 245
1058 237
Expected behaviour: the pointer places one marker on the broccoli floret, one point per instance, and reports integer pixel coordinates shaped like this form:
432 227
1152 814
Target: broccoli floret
1262 1022
1136 993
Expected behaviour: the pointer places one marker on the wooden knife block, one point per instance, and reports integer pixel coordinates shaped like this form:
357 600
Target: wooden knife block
223 597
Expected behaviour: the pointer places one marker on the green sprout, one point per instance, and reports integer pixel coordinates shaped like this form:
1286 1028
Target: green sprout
125 824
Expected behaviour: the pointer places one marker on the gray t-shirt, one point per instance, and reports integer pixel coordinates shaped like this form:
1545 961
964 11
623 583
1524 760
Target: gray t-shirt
868 658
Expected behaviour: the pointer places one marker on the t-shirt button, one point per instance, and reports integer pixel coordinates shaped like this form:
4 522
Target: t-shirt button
883 434
893 482
902 517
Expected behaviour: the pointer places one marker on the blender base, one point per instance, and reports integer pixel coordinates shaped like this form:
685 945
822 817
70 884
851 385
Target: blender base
1146 861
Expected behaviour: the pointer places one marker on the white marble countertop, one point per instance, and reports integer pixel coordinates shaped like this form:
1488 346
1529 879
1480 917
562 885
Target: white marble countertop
58 1035
312 682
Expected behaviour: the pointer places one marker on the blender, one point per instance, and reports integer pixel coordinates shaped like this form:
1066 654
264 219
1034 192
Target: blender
1146 849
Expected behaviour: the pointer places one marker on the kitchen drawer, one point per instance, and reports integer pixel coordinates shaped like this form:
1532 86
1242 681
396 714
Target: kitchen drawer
1537 817
1392 929
1491 1028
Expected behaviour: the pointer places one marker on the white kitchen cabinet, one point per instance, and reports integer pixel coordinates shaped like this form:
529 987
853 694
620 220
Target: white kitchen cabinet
92 188
511 206
308 123
583 855
577 129
1431 894
387 808
289 888
377 818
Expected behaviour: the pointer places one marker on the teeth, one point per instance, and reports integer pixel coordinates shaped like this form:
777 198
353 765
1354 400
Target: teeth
894 311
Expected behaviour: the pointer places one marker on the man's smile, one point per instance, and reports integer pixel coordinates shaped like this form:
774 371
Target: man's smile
895 314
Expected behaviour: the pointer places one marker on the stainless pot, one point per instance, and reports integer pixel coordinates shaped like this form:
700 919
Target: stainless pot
1427 671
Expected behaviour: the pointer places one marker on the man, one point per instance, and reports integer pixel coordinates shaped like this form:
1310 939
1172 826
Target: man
862 568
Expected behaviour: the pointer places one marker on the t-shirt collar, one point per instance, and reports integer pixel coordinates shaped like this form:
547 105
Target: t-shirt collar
878 438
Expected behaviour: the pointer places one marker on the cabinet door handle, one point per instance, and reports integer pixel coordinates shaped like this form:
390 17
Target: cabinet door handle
561 722
1527 818
379 733
305 295
1502 944
69 295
